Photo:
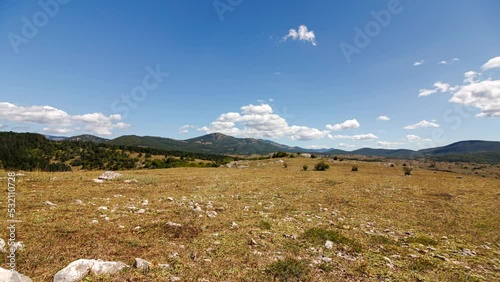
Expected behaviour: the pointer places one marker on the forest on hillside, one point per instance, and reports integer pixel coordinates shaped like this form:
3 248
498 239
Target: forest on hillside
31 152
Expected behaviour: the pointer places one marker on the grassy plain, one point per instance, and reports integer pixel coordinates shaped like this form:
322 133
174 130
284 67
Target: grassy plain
271 223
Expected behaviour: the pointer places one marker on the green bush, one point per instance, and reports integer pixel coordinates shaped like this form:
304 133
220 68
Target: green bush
321 166
354 168
305 167
288 270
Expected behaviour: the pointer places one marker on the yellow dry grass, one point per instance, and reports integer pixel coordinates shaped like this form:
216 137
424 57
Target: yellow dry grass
392 225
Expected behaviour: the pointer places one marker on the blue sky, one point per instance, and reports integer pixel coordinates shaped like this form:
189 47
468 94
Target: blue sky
278 70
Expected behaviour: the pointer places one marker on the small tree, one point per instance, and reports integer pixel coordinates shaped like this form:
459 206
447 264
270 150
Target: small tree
354 168
305 167
321 166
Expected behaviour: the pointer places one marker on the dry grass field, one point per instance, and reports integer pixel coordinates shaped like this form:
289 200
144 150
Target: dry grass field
270 223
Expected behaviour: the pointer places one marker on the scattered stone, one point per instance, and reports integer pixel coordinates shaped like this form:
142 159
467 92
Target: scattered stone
109 175
49 203
128 181
102 208
253 242
142 264
145 203
444 238
326 259
234 225
389 262
290 236
79 202
78 269
98 180
211 214
170 199
173 224
164 266
137 227
346 227
94 221
141 211
174 279
329 244
6 275
467 252
413 256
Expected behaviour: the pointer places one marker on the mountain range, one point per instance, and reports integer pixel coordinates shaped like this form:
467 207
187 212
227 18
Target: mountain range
217 143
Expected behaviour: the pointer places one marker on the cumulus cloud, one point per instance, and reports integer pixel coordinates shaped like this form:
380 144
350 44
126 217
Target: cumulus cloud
358 137
383 118
388 144
348 124
345 145
438 87
418 63
443 62
302 34
421 124
58 121
415 138
185 128
471 77
491 64
484 95
261 121
57 130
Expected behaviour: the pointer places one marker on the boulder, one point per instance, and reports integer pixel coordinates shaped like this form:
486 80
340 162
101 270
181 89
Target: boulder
78 269
142 264
109 175
6 275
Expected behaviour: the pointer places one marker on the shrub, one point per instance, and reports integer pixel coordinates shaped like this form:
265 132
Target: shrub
305 167
288 270
321 166
279 154
264 225
354 168
407 170
285 165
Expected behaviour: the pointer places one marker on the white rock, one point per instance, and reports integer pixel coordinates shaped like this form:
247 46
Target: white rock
98 180
102 208
18 246
329 244
49 203
94 221
326 259
141 211
6 275
78 269
174 279
170 199
234 225
2 245
145 203
211 214
137 228
109 175
142 264
79 202
173 224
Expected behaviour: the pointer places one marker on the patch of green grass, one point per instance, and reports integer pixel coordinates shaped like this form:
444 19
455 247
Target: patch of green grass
265 225
422 264
288 270
325 267
424 240
380 239
319 236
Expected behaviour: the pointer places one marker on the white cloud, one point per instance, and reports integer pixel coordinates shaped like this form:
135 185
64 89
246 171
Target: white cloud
185 128
415 138
491 64
348 124
471 77
484 95
57 130
358 137
317 147
2 126
301 34
383 118
388 144
438 87
421 124
455 59
260 121
345 145
59 121
418 63
443 62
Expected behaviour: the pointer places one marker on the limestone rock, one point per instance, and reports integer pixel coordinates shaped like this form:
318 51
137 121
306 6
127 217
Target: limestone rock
109 175
6 275
78 269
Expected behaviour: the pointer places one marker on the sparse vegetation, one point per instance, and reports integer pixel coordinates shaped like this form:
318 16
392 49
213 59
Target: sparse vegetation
321 166
288 270
407 170
354 168
305 167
